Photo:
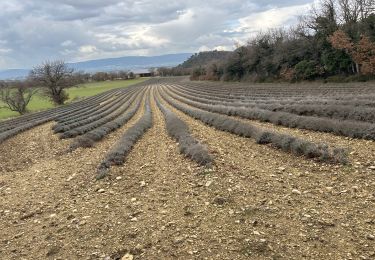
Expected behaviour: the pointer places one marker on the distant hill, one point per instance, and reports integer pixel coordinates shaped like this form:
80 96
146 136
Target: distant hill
133 63
204 58
13 73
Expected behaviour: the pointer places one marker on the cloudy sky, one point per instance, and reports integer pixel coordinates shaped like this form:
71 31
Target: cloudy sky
75 30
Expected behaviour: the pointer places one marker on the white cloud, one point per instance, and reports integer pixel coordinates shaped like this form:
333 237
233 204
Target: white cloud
67 43
272 18
87 49
74 30
2 51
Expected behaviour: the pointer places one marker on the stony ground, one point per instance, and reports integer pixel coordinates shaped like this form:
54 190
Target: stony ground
256 202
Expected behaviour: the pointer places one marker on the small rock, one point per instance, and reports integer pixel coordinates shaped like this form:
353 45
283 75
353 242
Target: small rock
370 237
52 215
219 200
143 183
134 219
127 257
178 240
101 190
133 200
75 221
139 247
118 178
256 233
372 167
295 191
19 235
281 169
208 184
53 250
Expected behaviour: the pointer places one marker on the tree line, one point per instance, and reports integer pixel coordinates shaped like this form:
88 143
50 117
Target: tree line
334 42
50 79
195 61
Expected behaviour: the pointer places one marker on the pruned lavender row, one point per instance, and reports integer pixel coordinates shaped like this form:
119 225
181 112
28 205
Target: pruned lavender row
363 114
188 145
284 142
12 127
89 139
321 96
55 113
361 130
114 106
344 100
38 119
100 120
91 103
362 110
95 114
244 90
117 155
10 133
93 108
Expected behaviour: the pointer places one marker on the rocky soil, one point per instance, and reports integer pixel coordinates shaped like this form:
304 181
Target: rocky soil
255 202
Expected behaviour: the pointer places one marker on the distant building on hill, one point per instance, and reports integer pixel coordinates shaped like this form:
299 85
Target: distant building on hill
144 74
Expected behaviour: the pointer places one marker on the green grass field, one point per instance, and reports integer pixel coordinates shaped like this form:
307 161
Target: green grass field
85 90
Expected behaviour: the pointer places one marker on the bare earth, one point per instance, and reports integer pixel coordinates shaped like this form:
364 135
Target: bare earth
255 203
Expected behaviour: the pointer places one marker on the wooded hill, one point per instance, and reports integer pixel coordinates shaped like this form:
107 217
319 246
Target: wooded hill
334 42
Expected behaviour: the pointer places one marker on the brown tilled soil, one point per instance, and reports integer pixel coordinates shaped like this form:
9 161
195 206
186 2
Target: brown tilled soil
256 202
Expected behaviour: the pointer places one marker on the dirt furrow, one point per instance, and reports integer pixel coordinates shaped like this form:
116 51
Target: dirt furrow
157 201
286 206
49 208
256 202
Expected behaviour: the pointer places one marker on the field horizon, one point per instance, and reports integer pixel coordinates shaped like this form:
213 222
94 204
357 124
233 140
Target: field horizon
39 102
172 168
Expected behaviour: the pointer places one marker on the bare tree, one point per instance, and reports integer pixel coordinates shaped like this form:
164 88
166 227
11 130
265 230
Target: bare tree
324 13
366 7
16 95
350 10
54 77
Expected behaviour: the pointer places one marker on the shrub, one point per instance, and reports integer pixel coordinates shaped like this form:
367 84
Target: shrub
188 145
287 143
117 155
307 70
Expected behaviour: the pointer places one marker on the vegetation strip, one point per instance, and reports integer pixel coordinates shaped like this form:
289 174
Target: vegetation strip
284 142
188 145
361 130
101 121
88 139
95 114
117 155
